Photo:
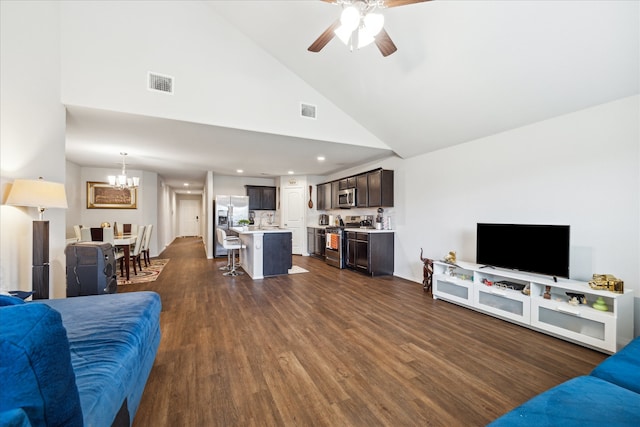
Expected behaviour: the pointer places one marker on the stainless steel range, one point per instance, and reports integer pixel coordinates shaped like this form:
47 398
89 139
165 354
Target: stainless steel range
335 246
336 242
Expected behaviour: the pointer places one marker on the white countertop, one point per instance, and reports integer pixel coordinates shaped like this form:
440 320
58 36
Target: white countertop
367 230
240 230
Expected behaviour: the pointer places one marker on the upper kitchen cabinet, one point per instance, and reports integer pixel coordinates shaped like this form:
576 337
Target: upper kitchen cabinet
345 183
380 188
335 189
261 198
362 188
324 196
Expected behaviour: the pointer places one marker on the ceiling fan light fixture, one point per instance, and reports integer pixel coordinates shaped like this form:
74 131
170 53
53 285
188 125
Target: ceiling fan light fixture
344 34
364 37
350 18
374 22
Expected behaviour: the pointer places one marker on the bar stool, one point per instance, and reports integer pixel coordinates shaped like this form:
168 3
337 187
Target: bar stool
230 244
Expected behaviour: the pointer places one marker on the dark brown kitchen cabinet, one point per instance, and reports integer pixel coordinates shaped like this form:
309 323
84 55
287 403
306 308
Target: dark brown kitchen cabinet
362 199
370 253
335 189
380 188
261 198
345 183
323 193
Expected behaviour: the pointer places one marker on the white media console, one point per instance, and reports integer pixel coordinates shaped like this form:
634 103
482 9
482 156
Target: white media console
467 284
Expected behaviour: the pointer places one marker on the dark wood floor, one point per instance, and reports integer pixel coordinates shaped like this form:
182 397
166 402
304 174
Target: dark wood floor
334 348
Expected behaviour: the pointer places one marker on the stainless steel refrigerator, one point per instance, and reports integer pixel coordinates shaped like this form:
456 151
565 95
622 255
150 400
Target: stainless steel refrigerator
227 211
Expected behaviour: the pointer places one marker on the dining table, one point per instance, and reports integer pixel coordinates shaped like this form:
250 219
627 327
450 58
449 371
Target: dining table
124 241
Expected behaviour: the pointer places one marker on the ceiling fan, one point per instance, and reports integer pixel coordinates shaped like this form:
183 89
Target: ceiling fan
361 24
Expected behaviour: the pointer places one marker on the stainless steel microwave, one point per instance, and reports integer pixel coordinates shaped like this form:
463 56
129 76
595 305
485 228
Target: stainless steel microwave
347 198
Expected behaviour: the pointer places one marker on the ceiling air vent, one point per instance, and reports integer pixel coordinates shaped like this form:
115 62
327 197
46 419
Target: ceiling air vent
308 110
160 83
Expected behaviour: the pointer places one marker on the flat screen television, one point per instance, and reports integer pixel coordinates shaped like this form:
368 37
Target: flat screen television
542 249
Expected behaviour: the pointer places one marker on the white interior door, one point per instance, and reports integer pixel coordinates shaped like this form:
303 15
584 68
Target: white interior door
293 215
189 214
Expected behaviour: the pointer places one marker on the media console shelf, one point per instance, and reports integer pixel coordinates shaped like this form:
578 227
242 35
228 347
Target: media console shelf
543 306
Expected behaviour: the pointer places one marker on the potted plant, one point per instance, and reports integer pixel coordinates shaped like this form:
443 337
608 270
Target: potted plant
244 223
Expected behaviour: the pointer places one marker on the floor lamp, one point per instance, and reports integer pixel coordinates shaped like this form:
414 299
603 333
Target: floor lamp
42 195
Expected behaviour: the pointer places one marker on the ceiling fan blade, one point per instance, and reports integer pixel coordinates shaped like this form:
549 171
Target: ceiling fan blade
324 38
396 3
384 43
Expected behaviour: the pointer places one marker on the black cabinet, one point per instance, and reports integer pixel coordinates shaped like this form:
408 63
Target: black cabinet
311 240
373 189
320 242
323 193
380 188
277 258
335 189
362 187
261 198
345 183
370 253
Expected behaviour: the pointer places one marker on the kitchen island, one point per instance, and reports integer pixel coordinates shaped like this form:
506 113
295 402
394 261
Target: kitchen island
266 251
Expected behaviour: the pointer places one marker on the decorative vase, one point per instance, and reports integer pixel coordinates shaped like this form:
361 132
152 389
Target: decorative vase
600 305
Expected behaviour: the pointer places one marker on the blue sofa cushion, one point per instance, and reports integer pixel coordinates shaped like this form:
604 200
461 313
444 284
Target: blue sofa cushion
584 401
623 368
9 300
35 366
113 342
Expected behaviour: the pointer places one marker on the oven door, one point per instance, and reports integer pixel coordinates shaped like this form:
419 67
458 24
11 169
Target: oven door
333 249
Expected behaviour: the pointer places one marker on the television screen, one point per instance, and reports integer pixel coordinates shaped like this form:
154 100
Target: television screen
540 249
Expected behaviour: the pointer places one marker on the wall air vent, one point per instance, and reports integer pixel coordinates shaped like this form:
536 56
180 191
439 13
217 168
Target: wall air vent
160 83
308 110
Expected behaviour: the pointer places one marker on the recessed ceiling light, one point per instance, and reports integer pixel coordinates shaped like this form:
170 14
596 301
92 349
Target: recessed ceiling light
239 170
321 158
186 184
290 172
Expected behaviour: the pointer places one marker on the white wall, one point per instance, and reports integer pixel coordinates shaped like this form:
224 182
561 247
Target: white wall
32 124
109 47
581 169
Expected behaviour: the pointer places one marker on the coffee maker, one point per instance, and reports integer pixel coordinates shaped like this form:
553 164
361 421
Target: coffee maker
323 220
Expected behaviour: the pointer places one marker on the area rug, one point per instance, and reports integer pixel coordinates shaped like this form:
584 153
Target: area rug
296 269
148 274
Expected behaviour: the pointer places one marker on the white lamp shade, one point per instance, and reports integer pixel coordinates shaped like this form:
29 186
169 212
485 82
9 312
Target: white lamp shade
343 33
364 38
374 23
38 194
350 18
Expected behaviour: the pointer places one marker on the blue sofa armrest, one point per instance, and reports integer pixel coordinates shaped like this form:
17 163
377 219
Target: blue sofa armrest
623 368
35 367
584 401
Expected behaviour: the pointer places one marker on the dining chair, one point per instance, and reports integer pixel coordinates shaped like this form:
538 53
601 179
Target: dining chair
130 229
97 234
145 244
77 231
108 236
85 234
134 256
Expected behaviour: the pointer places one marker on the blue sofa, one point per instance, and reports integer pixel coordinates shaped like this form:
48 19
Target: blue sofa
76 361
609 396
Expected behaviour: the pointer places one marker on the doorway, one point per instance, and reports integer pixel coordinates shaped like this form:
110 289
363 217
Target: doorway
189 212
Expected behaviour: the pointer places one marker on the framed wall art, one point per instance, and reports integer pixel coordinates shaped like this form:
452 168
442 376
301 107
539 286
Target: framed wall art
101 195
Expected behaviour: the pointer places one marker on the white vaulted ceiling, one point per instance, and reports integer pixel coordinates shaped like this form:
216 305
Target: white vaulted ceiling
463 70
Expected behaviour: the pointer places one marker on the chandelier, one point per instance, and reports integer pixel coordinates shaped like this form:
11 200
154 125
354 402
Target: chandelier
122 181
359 23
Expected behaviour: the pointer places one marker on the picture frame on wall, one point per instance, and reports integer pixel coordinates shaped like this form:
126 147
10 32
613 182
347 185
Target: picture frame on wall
101 195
